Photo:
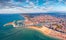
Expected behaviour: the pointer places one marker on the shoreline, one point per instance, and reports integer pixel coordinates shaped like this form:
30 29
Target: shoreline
49 32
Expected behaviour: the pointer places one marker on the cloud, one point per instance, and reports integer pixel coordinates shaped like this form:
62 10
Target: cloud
33 10
12 6
2 1
21 10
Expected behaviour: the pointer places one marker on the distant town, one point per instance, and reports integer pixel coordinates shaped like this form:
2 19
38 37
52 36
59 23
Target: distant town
57 24
47 24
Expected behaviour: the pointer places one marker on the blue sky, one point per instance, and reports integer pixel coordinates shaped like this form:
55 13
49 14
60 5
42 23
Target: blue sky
22 6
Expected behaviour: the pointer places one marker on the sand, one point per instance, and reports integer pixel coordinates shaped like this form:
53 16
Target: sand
49 32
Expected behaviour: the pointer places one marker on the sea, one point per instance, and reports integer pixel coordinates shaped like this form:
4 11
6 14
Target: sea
11 33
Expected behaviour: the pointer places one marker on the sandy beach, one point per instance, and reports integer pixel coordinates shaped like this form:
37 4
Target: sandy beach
49 32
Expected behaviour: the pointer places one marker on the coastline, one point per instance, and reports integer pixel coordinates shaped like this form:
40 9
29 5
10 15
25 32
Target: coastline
49 32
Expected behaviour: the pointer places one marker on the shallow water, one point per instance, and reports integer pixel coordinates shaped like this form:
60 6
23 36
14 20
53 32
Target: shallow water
10 33
23 34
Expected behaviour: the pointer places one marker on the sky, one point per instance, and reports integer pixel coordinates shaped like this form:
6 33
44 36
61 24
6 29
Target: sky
32 6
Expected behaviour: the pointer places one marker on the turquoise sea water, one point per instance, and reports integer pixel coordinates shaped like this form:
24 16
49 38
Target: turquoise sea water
10 33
